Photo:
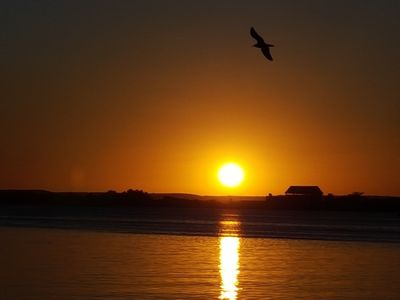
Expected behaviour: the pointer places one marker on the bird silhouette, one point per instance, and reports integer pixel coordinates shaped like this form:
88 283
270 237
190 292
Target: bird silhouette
261 44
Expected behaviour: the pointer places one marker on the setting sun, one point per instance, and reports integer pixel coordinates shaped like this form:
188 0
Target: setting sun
231 175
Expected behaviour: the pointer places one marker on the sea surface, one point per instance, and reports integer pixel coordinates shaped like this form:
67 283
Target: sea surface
64 253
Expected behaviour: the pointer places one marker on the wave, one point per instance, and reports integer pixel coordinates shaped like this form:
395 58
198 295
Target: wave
287 225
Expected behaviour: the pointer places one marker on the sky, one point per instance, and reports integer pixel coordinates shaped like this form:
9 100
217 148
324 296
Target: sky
157 95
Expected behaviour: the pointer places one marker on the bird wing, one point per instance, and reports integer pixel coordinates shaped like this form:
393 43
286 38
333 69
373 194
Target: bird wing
255 35
267 53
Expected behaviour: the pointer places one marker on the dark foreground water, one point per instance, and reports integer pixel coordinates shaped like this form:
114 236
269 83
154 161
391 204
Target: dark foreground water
190 255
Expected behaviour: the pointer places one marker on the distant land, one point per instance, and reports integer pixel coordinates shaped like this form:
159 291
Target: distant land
206 197
139 198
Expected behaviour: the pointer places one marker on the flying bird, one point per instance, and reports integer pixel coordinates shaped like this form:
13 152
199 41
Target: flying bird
261 44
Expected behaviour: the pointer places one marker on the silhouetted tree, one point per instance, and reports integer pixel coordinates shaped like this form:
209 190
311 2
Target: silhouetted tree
137 195
356 194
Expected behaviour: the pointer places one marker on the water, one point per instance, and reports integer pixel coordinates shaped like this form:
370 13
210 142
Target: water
216 256
324 225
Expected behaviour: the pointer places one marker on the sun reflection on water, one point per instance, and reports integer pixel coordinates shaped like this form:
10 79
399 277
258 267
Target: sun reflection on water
229 244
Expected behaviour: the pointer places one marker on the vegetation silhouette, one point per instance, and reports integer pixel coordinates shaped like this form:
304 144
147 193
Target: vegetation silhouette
138 198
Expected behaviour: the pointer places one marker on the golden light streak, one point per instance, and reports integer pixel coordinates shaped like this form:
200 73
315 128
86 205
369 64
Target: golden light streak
229 260
229 267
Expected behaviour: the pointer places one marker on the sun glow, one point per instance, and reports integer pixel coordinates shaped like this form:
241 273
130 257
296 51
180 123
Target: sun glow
231 175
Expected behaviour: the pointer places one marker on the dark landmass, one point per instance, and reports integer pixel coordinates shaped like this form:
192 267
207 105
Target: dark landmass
346 218
139 198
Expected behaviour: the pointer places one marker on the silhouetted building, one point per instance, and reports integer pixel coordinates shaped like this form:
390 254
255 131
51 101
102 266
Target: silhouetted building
300 190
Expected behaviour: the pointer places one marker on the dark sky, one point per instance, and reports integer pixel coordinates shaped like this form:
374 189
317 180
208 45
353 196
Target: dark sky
156 95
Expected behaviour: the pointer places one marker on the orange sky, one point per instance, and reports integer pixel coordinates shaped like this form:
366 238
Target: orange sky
157 95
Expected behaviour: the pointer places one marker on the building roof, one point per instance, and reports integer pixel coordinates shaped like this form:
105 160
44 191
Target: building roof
304 190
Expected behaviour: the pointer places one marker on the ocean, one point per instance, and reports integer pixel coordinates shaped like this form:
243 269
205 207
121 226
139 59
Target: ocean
65 253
